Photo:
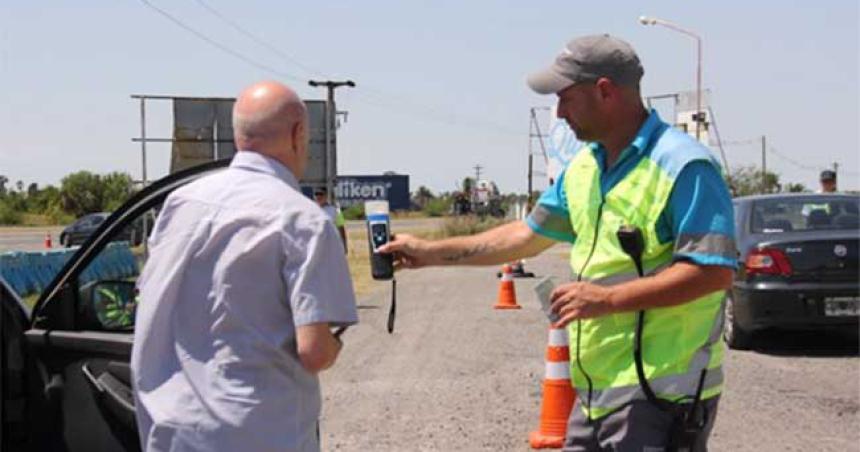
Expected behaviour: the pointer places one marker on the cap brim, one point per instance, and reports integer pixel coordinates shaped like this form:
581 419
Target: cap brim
548 81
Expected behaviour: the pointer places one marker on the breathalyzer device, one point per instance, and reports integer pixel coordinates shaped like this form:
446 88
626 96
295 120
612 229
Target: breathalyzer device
378 234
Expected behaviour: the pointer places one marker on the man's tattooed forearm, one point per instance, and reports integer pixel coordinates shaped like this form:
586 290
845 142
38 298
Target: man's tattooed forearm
467 253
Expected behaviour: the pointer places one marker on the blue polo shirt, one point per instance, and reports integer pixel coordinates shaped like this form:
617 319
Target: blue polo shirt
699 217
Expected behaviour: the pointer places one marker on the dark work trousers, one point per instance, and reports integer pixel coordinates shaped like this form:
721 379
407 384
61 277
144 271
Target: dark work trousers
638 426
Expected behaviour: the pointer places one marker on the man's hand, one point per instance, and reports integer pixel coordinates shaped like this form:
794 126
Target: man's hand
409 251
678 284
580 300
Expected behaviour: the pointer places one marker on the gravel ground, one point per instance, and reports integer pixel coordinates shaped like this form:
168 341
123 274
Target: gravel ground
458 375
795 392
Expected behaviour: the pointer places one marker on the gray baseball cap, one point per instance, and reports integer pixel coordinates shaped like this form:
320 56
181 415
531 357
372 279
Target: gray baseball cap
587 59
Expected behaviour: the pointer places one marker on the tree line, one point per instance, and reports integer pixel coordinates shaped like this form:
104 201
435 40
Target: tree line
84 192
78 194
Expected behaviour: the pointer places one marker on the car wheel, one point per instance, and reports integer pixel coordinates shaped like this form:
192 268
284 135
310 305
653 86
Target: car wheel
736 337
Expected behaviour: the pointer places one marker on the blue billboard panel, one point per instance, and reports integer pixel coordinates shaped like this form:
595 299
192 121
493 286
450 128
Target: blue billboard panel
393 188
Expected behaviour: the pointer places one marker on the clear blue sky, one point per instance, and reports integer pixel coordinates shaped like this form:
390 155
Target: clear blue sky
440 84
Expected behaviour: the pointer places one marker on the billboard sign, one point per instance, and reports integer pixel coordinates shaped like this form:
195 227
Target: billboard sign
203 131
394 188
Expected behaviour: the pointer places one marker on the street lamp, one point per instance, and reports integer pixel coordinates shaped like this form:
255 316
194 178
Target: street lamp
645 20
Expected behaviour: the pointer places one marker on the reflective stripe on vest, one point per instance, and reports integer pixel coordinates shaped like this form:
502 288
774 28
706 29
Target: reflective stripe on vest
677 341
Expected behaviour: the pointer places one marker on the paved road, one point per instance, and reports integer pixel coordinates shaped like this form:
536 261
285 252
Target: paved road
457 375
27 238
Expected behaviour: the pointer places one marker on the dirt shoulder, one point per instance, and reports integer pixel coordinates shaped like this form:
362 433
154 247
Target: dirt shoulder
458 375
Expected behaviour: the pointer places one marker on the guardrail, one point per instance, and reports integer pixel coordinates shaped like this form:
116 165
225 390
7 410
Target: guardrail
29 272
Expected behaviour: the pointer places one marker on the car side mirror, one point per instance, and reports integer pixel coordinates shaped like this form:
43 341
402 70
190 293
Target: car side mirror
114 303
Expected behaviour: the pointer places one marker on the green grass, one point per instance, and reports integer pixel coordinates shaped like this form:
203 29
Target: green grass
359 254
30 300
467 225
359 259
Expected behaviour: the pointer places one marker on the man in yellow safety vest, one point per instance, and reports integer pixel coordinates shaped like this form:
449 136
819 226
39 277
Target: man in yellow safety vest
640 198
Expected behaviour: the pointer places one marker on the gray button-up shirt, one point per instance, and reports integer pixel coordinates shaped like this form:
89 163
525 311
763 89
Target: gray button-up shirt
238 260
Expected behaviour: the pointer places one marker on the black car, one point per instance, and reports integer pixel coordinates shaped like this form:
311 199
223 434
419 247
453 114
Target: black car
79 231
798 265
66 381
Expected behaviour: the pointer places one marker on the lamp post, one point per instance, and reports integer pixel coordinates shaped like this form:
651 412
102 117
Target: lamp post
645 20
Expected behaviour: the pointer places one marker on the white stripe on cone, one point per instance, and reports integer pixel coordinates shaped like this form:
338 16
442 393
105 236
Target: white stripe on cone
558 371
558 337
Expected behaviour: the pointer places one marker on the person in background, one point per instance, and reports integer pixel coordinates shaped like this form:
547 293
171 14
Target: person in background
827 181
819 214
333 212
244 280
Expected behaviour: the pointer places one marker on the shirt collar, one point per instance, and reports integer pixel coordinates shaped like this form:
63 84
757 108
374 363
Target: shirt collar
647 131
254 161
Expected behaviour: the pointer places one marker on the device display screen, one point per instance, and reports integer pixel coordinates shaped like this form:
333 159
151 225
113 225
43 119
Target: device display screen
379 234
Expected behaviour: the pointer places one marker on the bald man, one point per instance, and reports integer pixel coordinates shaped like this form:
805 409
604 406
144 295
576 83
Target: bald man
244 280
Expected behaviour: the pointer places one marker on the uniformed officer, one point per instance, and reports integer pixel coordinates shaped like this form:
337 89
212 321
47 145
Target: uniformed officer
635 171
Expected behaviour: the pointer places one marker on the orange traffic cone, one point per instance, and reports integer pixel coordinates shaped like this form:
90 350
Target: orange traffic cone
558 394
48 240
507 294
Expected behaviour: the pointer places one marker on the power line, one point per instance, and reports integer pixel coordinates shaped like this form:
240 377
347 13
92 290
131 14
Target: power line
368 93
218 45
772 150
257 39
742 142
784 157
794 162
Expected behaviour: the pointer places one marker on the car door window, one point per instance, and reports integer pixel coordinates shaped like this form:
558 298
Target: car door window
107 292
805 214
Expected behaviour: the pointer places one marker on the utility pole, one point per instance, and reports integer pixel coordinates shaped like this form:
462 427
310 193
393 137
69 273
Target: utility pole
330 168
478 169
763 165
836 171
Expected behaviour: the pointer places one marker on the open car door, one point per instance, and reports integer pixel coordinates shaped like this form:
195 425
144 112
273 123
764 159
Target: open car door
66 379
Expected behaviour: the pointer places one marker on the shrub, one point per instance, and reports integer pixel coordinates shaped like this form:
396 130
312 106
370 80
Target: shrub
9 215
354 212
468 225
437 207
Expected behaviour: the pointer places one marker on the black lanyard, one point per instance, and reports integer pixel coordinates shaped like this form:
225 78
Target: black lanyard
392 310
